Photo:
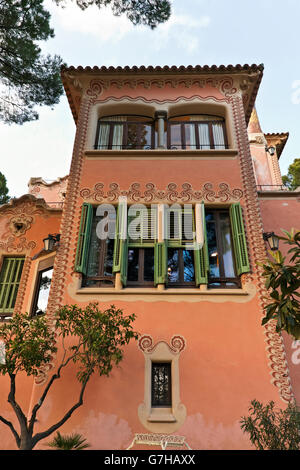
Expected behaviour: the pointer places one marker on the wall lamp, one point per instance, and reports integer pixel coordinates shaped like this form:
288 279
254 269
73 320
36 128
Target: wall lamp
51 241
271 150
272 239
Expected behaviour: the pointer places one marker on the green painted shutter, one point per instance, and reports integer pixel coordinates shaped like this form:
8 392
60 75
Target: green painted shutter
83 244
142 228
201 255
10 277
160 263
120 245
239 239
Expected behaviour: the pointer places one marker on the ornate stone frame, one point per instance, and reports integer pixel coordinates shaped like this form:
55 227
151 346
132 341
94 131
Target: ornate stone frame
164 420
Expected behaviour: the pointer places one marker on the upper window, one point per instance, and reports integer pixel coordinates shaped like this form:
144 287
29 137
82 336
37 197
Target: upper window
42 291
10 277
197 132
125 132
177 246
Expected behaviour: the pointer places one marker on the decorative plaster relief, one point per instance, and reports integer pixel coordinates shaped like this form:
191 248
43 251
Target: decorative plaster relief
172 193
224 84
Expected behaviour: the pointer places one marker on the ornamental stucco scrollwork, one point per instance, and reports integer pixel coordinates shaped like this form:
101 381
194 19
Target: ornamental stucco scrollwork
176 345
224 84
172 193
274 343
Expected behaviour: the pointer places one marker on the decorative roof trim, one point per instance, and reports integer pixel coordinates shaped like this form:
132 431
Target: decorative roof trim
158 70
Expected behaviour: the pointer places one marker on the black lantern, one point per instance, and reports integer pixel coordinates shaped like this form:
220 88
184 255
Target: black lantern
272 239
51 241
271 150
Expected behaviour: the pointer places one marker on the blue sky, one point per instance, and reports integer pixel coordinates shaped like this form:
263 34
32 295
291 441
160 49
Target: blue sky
198 32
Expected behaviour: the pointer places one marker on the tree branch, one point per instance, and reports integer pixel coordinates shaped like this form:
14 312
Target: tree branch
10 425
42 435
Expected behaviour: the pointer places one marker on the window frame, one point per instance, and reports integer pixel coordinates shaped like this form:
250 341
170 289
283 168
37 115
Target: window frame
7 312
182 124
222 279
124 145
101 277
141 267
37 291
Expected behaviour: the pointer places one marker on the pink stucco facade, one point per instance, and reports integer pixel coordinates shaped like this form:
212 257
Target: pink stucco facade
221 356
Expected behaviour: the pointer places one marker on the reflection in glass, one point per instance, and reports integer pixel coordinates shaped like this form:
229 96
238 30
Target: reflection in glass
226 243
180 266
149 264
43 291
161 384
100 258
133 264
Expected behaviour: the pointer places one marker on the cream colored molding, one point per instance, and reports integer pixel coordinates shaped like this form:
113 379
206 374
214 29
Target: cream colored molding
158 294
159 154
155 419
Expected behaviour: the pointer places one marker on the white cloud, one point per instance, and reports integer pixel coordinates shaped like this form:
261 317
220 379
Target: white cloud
100 23
182 31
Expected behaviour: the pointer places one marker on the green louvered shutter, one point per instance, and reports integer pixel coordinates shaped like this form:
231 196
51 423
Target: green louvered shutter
120 245
10 277
239 239
201 254
142 226
83 244
160 263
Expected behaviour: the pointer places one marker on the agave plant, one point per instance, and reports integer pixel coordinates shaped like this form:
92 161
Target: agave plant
68 442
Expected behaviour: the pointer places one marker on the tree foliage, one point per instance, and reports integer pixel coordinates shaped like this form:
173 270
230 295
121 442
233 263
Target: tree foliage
28 79
68 442
292 179
4 197
96 341
272 429
147 12
283 282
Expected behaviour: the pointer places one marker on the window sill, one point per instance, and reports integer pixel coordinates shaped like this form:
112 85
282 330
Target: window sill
161 153
158 291
161 415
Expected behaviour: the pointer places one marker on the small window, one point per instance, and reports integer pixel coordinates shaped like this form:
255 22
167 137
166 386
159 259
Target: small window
197 132
10 277
42 291
125 132
161 384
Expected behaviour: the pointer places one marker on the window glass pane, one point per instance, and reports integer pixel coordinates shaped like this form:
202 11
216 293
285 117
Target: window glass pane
43 291
161 384
100 259
133 264
132 136
149 264
175 130
146 136
173 265
218 133
94 251
214 267
188 263
226 245
108 259
204 141
190 136
117 136
103 136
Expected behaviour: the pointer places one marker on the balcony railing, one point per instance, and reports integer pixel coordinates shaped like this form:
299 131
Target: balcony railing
271 187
